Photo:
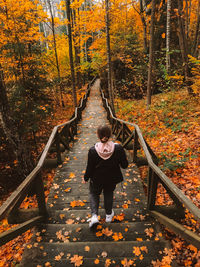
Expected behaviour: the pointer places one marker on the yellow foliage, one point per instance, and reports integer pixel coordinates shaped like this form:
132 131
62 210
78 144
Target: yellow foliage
19 27
196 75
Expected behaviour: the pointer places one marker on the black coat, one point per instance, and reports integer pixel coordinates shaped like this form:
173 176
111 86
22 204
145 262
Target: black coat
106 172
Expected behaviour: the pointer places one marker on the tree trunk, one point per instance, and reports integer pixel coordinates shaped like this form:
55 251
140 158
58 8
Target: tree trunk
197 32
110 89
142 10
55 51
151 55
186 19
168 36
77 52
18 145
184 47
68 9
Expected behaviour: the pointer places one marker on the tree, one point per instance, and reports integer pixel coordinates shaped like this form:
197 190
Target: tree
12 132
55 50
184 47
197 32
22 80
168 36
68 9
151 55
110 89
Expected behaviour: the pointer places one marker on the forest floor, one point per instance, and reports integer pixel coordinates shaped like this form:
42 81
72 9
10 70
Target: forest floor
171 128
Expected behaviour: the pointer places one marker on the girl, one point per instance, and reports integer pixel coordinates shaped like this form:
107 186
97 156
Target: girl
103 169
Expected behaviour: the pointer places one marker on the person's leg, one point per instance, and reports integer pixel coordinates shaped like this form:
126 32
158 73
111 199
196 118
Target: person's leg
108 201
94 196
108 198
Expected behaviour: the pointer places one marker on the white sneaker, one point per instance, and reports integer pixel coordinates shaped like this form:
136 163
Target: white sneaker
109 216
93 220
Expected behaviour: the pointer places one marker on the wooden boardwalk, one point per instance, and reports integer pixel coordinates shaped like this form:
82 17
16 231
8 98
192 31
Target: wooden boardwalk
132 237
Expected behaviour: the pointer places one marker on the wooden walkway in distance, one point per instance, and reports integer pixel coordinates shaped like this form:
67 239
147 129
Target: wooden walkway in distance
66 240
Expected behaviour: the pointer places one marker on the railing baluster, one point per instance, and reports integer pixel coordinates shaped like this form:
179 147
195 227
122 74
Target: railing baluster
135 146
39 186
152 189
123 133
59 159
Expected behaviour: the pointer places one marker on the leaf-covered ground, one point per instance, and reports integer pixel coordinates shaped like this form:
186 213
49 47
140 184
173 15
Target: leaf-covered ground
171 127
8 255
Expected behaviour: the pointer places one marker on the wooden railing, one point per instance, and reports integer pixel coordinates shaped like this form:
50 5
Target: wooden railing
58 141
134 140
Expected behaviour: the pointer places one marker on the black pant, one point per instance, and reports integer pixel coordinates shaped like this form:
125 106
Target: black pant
95 191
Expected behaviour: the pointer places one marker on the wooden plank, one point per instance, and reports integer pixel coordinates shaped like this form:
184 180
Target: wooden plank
128 139
135 146
190 236
59 160
18 230
39 185
153 185
47 147
120 131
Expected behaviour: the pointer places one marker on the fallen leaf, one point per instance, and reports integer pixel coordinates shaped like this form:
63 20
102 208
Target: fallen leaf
77 260
117 236
136 251
126 263
87 248
96 261
71 175
104 254
69 221
107 263
107 232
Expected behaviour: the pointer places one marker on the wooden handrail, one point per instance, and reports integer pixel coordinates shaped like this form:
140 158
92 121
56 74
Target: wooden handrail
177 195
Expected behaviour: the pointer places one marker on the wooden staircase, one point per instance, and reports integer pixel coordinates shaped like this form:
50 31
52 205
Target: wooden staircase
132 239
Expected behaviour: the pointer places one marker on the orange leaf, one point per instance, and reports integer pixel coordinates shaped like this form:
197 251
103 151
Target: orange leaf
71 175
96 261
117 236
87 248
77 260
136 251
107 263
107 232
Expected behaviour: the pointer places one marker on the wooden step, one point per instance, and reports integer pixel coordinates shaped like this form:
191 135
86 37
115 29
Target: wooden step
81 232
115 251
60 216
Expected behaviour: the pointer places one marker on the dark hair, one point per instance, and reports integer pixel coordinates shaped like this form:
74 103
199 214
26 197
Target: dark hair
104 133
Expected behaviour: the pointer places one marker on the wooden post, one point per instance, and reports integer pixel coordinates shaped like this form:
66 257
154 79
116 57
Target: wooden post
59 160
75 126
39 186
152 189
123 133
135 147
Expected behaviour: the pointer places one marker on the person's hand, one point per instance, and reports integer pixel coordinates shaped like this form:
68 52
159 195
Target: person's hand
83 181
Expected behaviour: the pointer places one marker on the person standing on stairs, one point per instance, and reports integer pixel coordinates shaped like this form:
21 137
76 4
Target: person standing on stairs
103 169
